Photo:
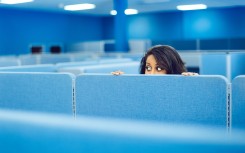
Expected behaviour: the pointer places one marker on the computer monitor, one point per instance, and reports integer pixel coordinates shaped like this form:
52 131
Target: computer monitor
55 49
36 49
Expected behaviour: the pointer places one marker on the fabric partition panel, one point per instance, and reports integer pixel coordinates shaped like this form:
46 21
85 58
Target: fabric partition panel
42 92
238 102
169 98
39 133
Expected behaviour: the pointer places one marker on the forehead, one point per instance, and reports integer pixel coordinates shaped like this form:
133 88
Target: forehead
151 60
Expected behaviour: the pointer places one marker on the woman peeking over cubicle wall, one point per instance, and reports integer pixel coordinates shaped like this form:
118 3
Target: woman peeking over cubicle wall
161 59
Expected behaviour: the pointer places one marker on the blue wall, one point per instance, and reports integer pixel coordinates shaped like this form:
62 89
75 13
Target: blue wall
20 28
149 26
179 25
108 27
214 23
156 26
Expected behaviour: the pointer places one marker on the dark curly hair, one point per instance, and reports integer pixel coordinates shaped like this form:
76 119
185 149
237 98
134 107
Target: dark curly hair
166 57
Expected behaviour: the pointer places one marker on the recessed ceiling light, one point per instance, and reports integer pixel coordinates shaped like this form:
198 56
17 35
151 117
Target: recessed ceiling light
14 1
77 7
191 7
113 12
131 11
127 12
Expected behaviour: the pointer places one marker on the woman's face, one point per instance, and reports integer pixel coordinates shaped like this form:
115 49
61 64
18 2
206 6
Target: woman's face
152 67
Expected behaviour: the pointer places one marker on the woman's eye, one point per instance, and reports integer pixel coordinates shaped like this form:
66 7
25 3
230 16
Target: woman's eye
148 68
158 68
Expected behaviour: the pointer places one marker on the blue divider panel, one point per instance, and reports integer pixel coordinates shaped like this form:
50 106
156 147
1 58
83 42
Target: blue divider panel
238 102
29 132
114 60
213 64
30 68
180 45
53 59
73 64
30 59
44 92
237 43
9 62
178 99
237 64
214 44
128 68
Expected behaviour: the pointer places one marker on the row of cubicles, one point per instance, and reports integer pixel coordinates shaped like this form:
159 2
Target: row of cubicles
226 63
60 112
94 111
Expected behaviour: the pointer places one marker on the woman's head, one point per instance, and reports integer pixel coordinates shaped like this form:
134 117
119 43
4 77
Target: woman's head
162 59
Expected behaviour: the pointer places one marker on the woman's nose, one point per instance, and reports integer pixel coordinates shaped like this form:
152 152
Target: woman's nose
152 71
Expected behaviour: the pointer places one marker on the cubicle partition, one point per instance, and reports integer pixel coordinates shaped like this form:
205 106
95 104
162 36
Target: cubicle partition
171 98
49 133
238 102
127 67
41 92
30 68
126 113
227 63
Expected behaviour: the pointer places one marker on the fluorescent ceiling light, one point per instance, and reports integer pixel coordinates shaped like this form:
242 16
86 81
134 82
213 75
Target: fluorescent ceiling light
191 7
77 7
14 1
113 12
127 12
131 11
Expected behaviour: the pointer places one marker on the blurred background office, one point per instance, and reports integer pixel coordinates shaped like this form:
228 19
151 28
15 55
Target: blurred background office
209 38
90 110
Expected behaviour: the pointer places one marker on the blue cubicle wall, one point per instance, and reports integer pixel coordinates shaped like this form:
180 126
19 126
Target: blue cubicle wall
41 92
237 64
213 63
238 102
39 133
30 68
177 99
228 64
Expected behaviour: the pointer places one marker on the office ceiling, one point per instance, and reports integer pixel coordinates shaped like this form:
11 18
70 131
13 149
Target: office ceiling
103 7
